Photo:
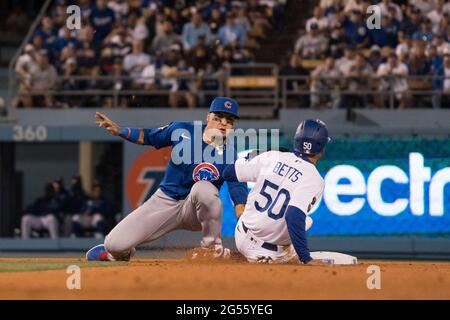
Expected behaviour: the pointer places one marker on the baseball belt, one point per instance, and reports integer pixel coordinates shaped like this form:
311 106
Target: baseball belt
265 245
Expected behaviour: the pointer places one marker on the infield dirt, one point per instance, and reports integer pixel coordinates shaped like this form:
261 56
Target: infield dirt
181 279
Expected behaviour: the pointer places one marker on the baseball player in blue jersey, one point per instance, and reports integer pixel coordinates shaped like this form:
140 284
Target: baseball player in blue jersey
287 186
188 197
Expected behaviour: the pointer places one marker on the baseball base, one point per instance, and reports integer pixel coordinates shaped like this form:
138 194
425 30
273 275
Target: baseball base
334 257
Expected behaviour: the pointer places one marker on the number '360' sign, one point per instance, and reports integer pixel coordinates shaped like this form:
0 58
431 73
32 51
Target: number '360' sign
29 133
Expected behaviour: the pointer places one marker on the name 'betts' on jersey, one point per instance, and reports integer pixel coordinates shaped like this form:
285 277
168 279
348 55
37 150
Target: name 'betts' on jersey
281 179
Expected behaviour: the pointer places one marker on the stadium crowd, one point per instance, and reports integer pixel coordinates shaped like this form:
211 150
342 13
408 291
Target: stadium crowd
343 60
413 40
60 212
141 40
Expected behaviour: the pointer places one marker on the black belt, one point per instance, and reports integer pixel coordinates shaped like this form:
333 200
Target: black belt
265 245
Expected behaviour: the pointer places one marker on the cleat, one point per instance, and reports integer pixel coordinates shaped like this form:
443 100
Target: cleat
99 253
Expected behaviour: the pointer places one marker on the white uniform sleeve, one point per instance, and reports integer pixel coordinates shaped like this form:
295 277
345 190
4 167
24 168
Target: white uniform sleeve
307 195
249 170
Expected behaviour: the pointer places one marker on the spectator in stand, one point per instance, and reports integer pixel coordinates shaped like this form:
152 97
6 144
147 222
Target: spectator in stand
351 5
404 45
411 22
436 15
442 46
207 80
391 8
63 40
94 213
118 83
67 53
135 62
86 7
294 86
393 77
445 87
257 14
386 36
425 6
199 57
140 30
26 65
42 215
59 13
87 54
47 31
426 31
38 43
102 20
232 32
436 63
193 30
226 57
242 19
356 32
221 5
120 8
326 78
345 63
120 41
447 74
418 64
68 83
186 89
92 84
319 19
375 57
43 79
312 45
334 14
358 79
164 41
216 21
444 24
337 42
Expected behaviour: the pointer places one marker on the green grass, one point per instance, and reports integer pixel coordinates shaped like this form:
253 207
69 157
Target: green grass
24 266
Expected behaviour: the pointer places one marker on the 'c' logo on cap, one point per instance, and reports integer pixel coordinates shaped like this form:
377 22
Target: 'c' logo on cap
228 104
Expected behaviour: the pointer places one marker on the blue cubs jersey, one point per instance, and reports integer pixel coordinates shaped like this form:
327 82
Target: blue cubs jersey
188 145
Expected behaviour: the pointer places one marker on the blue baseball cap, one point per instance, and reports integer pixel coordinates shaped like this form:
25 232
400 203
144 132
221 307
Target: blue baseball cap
224 104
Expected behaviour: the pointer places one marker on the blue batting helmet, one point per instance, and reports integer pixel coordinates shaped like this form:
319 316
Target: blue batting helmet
311 137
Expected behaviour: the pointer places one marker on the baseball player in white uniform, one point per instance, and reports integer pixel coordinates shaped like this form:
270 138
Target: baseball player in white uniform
287 186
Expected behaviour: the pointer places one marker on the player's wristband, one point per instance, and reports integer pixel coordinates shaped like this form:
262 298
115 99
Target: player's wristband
130 134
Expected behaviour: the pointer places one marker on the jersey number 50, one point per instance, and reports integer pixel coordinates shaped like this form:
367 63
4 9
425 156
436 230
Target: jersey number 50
267 193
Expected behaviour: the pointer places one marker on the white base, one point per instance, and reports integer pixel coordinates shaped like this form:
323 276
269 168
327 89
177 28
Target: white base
334 257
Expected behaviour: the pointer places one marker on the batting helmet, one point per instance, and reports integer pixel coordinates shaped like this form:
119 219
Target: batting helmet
311 137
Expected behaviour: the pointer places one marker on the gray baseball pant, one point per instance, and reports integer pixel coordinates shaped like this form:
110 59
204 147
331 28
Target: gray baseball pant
48 222
200 210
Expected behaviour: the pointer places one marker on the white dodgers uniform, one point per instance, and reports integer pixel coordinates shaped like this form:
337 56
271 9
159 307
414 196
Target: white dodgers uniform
282 180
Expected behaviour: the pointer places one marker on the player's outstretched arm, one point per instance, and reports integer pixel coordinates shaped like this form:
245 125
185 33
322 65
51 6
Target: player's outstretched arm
295 221
108 124
131 134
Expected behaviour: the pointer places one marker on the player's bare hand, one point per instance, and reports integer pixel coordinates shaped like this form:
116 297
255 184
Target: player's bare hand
108 124
239 210
316 262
